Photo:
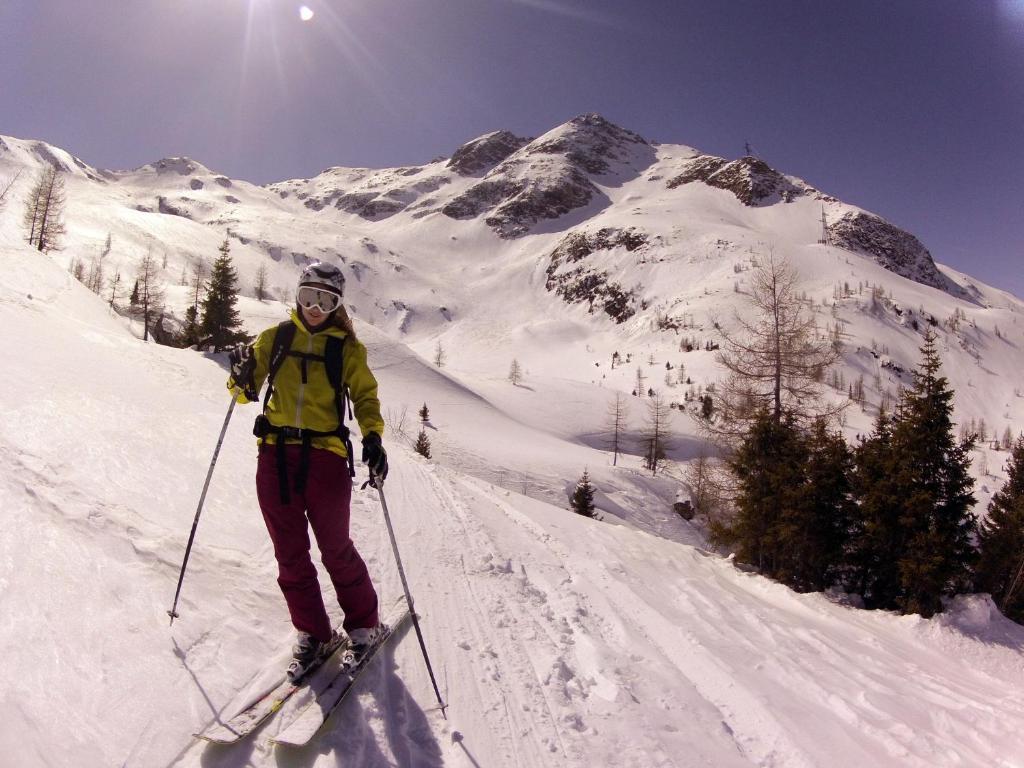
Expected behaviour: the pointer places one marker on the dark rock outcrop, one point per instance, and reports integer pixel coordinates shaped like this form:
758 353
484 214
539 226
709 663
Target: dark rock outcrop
180 165
893 248
166 206
591 143
368 205
752 181
698 169
546 198
376 201
550 176
486 152
584 283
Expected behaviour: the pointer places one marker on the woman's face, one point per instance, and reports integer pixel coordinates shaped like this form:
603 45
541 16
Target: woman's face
313 316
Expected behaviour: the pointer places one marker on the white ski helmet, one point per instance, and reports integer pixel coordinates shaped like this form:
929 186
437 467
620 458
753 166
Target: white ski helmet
327 275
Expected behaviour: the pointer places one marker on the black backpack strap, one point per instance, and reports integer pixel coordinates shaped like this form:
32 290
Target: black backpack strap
283 337
334 358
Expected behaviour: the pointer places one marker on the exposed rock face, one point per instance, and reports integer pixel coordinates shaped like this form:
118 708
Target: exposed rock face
376 201
589 142
548 177
369 205
698 169
180 165
546 198
585 283
166 206
890 246
486 152
482 197
753 181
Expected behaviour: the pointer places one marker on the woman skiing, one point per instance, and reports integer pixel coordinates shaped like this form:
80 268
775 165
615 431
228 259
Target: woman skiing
305 468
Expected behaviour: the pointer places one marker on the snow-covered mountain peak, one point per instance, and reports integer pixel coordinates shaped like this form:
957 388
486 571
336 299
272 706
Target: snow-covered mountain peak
553 175
32 153
594 144
182 166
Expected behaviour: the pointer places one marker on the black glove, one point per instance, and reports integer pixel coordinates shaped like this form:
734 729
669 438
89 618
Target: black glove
375 457
243 365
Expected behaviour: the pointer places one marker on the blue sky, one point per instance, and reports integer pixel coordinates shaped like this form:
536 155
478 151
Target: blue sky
913 109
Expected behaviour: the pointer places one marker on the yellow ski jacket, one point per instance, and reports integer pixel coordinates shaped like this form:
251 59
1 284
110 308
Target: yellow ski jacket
310 404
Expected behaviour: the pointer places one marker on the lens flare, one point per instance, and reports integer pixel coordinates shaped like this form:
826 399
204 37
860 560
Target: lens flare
305 13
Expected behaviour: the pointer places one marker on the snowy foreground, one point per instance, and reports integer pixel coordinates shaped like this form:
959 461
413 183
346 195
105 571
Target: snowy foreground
558 641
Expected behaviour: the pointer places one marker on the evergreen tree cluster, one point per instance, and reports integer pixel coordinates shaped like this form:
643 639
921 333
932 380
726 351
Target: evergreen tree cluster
890 519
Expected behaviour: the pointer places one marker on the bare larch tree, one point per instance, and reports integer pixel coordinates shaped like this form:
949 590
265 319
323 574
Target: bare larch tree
44 210
618 413
776 361
656 432
151 294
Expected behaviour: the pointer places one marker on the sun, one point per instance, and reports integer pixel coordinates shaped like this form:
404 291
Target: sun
306 13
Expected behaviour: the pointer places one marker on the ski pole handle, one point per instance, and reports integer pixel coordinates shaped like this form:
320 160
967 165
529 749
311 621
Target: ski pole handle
173 613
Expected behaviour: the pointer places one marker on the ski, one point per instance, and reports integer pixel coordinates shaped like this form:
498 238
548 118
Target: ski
312 717
261 708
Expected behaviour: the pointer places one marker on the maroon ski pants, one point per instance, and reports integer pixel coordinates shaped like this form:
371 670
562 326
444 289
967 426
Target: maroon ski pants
326 503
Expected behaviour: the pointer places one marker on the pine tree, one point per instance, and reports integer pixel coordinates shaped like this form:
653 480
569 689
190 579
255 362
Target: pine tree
707 407
220 325
515 372
878 539
583 497
816 533
424 414
917 523
1000 570
938 502
422 446
770 469
190 332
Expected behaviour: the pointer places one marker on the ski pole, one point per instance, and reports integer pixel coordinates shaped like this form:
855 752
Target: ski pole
173 613
408 595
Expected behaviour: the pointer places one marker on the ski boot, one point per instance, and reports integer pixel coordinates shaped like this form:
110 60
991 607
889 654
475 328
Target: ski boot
308 653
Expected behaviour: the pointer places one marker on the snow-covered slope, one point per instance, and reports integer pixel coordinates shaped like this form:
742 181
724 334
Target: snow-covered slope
558 640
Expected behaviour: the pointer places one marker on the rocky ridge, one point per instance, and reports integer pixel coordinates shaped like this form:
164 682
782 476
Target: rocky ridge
549 176
893 248
586 283
750 179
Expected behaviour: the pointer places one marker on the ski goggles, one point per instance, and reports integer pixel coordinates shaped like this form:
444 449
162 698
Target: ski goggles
309 297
